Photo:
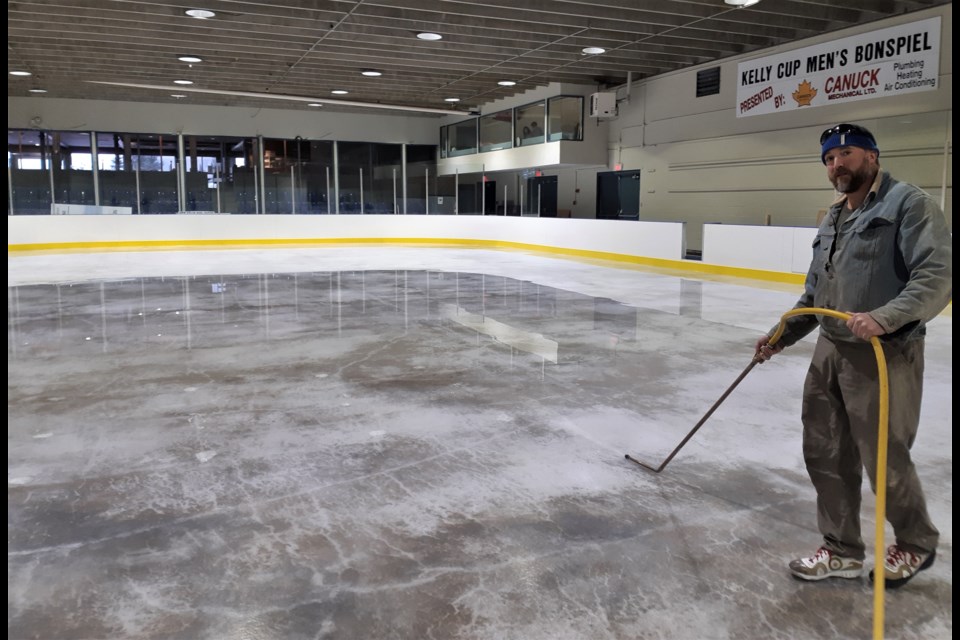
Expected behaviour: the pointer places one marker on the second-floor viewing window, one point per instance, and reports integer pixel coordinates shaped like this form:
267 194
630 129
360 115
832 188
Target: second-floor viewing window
565 118
462 138
551 120
496 131
531 120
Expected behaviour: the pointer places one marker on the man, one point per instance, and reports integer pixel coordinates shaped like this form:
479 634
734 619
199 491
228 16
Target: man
883 254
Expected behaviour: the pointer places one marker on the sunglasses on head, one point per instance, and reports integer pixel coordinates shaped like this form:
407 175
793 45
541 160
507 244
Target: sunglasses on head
846 128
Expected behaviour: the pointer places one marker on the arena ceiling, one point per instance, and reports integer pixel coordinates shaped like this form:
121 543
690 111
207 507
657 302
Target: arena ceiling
289 53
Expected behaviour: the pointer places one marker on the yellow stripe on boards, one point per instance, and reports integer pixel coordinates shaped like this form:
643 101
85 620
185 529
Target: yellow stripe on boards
686 266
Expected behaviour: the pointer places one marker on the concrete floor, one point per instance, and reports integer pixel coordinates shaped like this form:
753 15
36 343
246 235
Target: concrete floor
421 443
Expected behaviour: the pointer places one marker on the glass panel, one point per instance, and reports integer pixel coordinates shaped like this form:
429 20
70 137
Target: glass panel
503 186
154 157
220 176
496 131
386 172
298 175
470 190
28 156
316 176
565 118
462 138
421 164
370 174
353 158
443 142
629 193
73 168
530 120
201 162
443 198
280 160
236 176
118 176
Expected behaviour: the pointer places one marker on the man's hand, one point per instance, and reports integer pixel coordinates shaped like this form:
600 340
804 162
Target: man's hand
764 351
864 326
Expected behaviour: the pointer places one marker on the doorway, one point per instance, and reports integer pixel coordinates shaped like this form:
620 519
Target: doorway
618 195
490 198
541 197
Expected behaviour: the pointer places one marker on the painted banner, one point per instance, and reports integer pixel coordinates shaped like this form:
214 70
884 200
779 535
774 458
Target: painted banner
888 62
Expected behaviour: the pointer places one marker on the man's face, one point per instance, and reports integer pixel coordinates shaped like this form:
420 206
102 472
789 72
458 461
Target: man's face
849 168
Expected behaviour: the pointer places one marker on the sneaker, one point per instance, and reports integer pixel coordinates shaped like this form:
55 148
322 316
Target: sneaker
900 565
826 564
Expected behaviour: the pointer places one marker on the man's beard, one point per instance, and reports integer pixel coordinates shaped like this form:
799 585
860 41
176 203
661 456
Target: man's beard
851 181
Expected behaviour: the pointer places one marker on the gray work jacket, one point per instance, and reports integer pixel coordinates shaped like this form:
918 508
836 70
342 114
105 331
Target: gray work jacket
892 259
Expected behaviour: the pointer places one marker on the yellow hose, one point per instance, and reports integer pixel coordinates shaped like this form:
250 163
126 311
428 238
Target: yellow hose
878 573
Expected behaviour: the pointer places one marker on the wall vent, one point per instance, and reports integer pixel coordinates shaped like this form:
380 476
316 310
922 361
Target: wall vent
708 82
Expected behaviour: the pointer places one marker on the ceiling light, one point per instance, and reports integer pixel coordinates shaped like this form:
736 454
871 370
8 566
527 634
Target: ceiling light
20 73
339 92
183 82
426 35
178 95
315 104
741 3
593 51
37 90
371 73
203 14
506 83
190 59
451 99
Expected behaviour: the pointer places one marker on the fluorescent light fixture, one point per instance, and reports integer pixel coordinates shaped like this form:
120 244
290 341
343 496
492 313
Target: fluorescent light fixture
451 99
741 3
593 51
203 14
315 104
371 73
506 83
178 95
20 73
283 96
339 92
190 59
426 35
183 82
37 90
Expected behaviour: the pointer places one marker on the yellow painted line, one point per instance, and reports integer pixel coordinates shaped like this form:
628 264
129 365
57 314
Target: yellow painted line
684 266
620 260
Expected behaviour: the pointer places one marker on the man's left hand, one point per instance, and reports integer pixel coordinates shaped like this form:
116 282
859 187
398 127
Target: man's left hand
864 326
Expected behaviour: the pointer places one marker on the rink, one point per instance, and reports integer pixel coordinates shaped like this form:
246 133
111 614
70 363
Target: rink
422 443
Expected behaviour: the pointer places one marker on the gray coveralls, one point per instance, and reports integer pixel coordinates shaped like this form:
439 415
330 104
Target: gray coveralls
891 258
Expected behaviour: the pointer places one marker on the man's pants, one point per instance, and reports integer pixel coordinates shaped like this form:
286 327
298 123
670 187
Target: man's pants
841 412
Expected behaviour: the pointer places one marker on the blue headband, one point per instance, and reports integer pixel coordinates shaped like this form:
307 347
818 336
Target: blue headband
847 140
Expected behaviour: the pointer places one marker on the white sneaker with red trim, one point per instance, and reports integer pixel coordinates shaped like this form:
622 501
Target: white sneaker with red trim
901 565
826 564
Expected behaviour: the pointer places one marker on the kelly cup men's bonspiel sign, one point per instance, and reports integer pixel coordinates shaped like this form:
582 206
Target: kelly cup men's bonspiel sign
888 62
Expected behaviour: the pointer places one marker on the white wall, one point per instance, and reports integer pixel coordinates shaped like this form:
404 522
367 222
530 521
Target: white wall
701 164
786 249
548 154
643 240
